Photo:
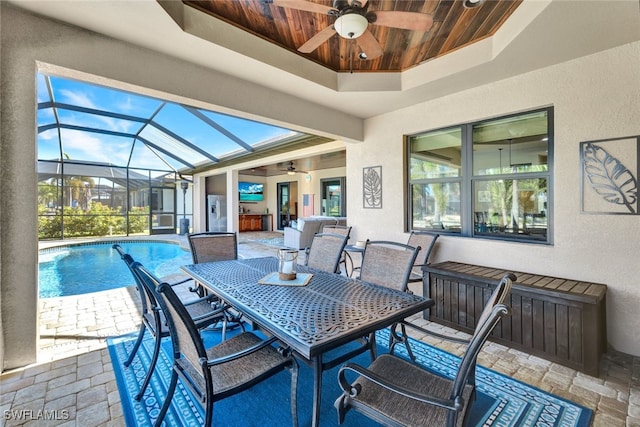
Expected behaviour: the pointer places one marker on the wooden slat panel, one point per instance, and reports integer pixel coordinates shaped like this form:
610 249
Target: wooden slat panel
562 331
550 327
446 301
538 324
579 288
567 286
555 283
455 303
523 276
527 322
462 305
470 297
575 334
595 290
438 295
516 318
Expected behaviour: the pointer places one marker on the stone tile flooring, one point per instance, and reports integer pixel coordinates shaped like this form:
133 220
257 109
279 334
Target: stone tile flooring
73 382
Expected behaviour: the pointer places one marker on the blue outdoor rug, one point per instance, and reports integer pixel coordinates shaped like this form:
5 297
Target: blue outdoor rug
501 401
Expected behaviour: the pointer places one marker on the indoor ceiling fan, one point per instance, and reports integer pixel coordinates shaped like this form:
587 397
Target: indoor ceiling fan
291 170
352 22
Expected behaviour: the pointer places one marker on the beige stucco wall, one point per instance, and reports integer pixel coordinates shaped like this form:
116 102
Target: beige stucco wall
594 97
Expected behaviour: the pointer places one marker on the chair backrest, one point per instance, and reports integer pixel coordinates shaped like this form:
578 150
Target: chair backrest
325 251
185 336
147 301
213 246
343 230
498 296
468 362
388 263
426 241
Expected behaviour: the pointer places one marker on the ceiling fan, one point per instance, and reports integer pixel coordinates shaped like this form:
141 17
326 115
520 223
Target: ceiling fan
291 170
352 22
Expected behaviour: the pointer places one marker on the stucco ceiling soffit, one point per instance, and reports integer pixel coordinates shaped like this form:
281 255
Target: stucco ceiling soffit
216 31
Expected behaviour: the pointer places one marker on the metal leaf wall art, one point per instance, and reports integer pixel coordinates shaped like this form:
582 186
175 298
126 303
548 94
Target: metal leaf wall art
609 183
372 187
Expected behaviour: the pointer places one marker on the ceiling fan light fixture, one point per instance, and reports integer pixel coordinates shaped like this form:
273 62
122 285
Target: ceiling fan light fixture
351 25
291 173
472 3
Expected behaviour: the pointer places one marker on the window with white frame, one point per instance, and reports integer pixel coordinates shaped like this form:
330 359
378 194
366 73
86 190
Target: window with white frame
489 179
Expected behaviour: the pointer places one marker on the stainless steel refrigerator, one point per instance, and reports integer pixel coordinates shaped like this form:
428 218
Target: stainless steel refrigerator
217 209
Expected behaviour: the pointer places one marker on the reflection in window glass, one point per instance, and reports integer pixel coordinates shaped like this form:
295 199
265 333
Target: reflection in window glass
436 206
511 145
511 207
436 154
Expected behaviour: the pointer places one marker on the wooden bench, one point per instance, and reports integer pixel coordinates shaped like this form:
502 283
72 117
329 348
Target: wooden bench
557 319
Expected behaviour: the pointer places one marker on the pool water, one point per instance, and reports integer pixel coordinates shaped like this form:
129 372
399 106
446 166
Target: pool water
84 268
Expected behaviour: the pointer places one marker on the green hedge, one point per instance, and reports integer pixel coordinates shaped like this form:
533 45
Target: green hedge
99 220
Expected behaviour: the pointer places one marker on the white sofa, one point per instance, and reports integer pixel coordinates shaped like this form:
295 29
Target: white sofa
301 236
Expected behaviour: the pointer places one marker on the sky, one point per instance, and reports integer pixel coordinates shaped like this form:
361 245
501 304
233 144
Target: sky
125 141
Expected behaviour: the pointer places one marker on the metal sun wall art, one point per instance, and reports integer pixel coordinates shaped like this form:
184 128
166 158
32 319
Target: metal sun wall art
610 170
372 187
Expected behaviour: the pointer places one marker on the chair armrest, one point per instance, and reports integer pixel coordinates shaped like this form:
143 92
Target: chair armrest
353 391
218 312
434 334
239 354
180 282
207 298
292 237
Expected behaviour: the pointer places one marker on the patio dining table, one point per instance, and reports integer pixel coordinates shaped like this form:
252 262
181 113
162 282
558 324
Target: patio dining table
329 311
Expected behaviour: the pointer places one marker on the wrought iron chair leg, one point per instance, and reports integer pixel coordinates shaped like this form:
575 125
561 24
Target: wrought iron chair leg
152 366
136 346
167 400
294 393
405 338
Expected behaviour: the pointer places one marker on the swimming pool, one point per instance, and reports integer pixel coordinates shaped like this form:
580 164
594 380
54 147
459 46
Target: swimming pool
91 267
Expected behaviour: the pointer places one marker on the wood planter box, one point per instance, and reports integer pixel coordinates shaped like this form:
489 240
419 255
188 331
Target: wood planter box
557 319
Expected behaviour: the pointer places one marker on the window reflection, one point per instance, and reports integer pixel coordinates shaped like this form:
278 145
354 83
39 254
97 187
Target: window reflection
514 207
511 145
436 206
436 154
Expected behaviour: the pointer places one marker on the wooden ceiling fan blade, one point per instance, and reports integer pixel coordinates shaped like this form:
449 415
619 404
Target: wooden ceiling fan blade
369 45
314 42
404 20
303 5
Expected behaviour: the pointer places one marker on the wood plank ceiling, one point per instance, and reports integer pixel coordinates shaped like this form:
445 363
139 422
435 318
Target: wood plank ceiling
454 26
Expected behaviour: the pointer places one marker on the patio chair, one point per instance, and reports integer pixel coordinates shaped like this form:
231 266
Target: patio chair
326 251
388 263
223 370
395 391
345 231
212 246
427 241
498 296
153 319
